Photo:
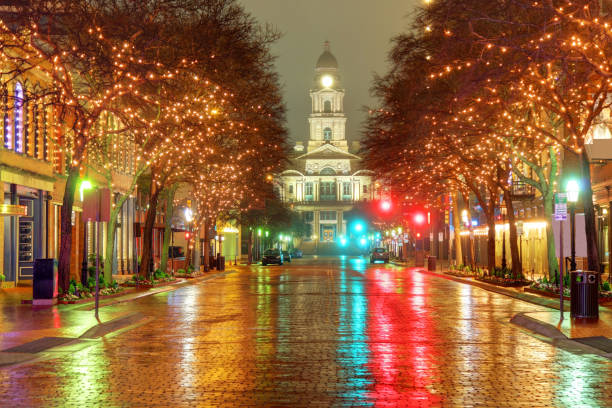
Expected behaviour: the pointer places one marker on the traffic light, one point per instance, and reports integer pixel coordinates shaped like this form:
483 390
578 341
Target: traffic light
187 235
359 226
419 219
385 205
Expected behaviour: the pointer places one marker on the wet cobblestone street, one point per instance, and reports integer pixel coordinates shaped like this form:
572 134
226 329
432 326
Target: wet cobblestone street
327 332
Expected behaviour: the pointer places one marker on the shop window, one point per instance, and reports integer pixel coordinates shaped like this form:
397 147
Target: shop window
327 215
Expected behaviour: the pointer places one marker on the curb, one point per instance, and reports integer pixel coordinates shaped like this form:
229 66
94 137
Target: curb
163 289
534 299
555 336
535 325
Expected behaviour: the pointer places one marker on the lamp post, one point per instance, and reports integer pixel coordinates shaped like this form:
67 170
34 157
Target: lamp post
573 191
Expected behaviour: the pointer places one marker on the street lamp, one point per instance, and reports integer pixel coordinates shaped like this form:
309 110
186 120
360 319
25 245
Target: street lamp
573 191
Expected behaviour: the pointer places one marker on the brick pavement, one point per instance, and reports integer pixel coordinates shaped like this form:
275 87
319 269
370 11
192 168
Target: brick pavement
317 333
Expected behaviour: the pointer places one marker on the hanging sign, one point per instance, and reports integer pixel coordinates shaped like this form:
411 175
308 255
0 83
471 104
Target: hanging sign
560 207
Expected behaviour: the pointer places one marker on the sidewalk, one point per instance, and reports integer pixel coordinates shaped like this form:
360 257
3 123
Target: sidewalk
595 336
21 324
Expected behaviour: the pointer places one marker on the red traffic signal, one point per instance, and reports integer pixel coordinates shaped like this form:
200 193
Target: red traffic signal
418 235
419 218
187 235
385 205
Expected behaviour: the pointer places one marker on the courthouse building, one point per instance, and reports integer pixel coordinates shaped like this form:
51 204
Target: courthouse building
325 177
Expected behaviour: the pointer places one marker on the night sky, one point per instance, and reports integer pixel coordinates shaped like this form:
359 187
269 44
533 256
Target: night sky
359 32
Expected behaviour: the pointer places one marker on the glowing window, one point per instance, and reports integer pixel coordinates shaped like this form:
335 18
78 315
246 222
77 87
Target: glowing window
327 134
19 118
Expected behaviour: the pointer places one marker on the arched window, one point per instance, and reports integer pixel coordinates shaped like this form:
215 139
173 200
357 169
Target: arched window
327 106
328 171
327 134
19 102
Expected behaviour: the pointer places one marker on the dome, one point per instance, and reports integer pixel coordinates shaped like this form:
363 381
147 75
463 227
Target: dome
327 59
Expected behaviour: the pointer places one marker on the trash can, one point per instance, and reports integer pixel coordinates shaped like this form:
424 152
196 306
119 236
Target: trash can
212 262
221 263
584 290
45 284
431 263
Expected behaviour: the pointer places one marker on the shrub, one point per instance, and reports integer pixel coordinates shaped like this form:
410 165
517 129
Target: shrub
91 282
71 289
181 271
2 277
606 286
159 274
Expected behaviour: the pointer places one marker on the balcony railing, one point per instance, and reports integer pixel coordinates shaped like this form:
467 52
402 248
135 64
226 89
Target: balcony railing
522 191
325 202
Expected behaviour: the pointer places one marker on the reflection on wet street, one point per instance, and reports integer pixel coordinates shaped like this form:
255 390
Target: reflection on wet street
325 332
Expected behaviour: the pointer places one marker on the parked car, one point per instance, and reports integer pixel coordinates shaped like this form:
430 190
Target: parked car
287 256
296 253
272 256
379 254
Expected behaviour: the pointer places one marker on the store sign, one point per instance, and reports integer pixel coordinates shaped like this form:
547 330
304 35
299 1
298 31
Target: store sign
560 207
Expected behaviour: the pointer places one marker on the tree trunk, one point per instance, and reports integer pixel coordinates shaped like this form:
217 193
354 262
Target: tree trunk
250 246
457 227
517 267
471 239
111 230
491 241
188 255
66 229
163 265
589 213
206 248
550 238
147 234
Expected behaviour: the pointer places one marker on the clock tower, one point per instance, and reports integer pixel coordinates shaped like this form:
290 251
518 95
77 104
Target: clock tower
327 119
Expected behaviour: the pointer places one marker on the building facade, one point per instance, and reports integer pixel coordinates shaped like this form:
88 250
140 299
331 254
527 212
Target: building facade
325 177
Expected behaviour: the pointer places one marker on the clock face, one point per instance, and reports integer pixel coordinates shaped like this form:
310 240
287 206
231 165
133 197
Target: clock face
327 81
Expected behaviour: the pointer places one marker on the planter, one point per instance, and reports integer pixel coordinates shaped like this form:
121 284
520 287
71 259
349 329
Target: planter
189 275
504 283
7 285
93 298
459 274
543 292
148 284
